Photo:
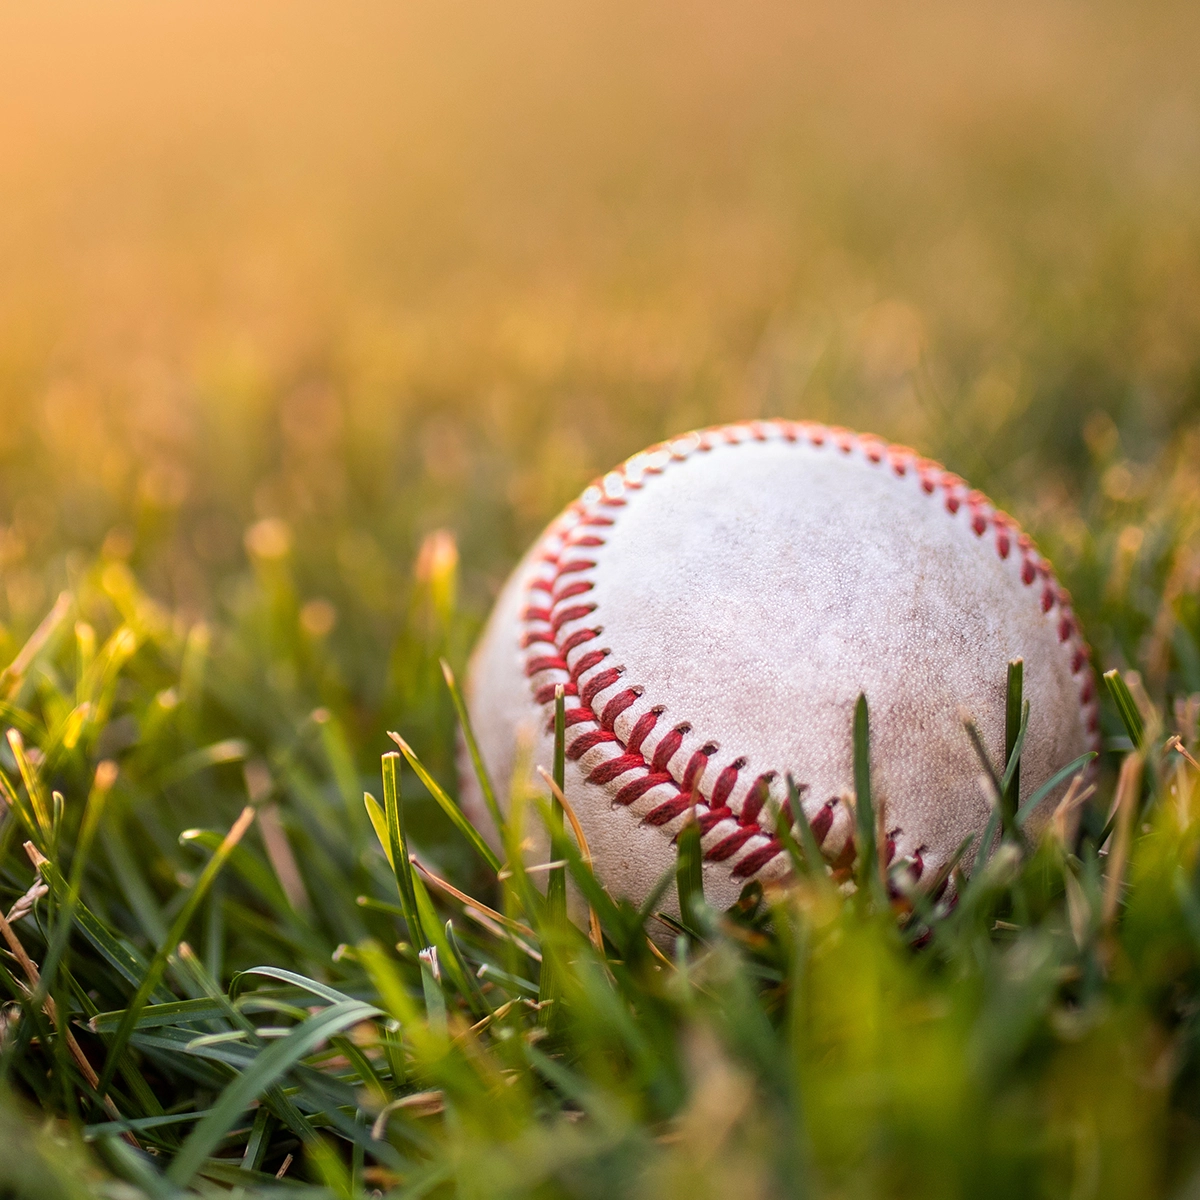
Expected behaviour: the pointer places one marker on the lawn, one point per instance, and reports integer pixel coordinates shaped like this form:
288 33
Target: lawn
310 319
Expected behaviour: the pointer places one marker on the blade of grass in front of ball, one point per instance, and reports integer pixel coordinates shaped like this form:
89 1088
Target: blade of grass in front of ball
603 913
447 805
477 764
650 904
985 844
1013 769
993 776
521 898
868 877
783 833
556 883
397 845
689 868
814 862
926 898
1016 721
1126 707
1023 813
583 858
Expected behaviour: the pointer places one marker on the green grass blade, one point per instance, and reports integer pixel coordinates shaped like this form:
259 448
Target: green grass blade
785 832
870 882
367 1074
256 1144
1016 725
813 858
474 993
555 912
397 844
119 955
104 778
341 763
477 763
176 1012
1010 781
175 935
689 870
267 1068
139 895
1127 707
389 984
246 864
1065 773
323 990
556 884
651 903
379 824
139 1124
447 805
985 843
434 933
230 750
985 761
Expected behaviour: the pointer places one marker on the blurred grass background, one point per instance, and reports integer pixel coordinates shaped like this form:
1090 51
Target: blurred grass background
379 269
311 316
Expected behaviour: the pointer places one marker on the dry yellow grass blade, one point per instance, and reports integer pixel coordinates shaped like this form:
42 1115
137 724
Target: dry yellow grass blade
51 1010
14 673
469 901
484 1022
418 1104
1077 795
1175 742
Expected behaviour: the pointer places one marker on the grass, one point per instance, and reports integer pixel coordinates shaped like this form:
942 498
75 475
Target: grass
309 322
284 993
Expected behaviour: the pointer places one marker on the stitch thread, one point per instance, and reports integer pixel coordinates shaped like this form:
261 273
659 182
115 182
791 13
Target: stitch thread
740 835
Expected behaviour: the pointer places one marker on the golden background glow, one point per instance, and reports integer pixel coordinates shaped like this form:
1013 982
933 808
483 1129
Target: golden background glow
375 269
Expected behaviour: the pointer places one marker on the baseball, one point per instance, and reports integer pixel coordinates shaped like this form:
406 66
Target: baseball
713 609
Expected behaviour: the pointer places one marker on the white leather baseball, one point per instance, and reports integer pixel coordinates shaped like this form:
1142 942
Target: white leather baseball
715 606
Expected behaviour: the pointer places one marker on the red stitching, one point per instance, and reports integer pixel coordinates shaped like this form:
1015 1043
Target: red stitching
739 835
